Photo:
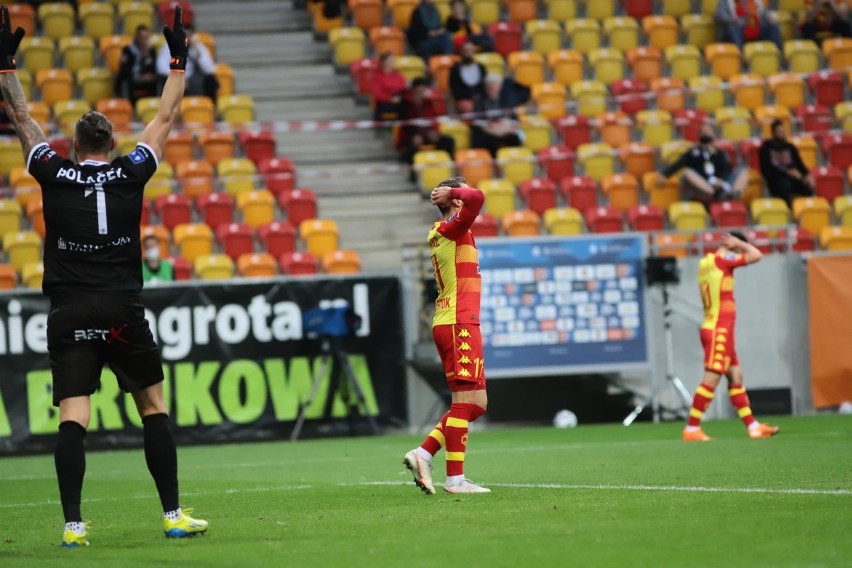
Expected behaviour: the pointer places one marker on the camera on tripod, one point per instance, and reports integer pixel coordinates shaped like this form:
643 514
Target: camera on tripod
661 270
336 320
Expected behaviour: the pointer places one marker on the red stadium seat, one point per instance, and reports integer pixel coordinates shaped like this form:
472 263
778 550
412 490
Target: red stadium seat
760 239
174 209
61 145
827 87
688 122
729 214
574 129
838 149
361 72
630 94
557 162
749 151
646 218
258 146
507 37
803 240
235 239
815 118
539 194
146 213
216 209
296 263
485 225
299 205
182 268
711 240
279 173
828 181
277 238
729 148
638 9
166 11
604 220
580 192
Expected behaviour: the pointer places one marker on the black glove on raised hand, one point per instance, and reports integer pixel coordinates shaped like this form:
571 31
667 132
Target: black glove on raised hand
8 41
177 41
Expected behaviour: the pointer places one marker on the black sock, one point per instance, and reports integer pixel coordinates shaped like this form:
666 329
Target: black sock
70 459
161 456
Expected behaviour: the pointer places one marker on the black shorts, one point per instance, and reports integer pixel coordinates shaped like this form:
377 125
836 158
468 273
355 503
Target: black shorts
83 336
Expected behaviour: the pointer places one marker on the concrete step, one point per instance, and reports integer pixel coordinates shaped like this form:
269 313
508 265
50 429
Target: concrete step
228 17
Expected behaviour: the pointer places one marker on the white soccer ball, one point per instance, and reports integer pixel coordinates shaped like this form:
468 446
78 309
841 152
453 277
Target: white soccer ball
565 419
845 408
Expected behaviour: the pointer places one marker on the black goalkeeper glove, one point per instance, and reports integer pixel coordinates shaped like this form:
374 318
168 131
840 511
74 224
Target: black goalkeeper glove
9 41
177 41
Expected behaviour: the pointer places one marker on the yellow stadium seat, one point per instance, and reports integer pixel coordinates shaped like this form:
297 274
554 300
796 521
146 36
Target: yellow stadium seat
560 10
527 67
812 213
342 262
788 89
135 14
763 117
749 90
754 188
608 64
237 175
684 61
677 8
482 11
584 33
320 236
770 211
212 266
77 52
723 59
347 45
57 19
843 115
40 112
111 48
67 113
708 91
161 182
708 7
563 221
734 123
22 248
474 164
661 195
97 19
836 238
257 207
458 130
411 67
32 275
236 109
493 62
662 31
566 65
147 108
55 85
763 57
802 56
807 147
673 150
432 166
688 216
655 126
521 223
257 265
544 35
538 132
10 216
600 9
193 240
516 164
623 33
843 209
591 97
550 98
622 191
38 53
225 75
196 110
838 52
499 196
597 160
95 84
126 143
700 29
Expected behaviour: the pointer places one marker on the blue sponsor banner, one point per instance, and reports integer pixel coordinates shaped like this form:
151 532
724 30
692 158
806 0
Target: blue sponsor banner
558 305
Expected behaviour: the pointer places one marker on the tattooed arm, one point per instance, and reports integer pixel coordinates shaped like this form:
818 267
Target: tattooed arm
29 132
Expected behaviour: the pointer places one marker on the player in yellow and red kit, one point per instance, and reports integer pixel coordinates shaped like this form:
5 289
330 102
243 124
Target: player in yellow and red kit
716 283
455 329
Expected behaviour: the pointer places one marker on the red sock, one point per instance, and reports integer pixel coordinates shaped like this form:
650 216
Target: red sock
435 440
456 434
703 398
739 398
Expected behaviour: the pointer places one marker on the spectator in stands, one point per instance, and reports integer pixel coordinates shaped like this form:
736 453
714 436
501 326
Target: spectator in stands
426 34
155 269
825 20
782 167
496 125
422 132
388 87
467 79
465 30
137 77
740 21
200 69
707 171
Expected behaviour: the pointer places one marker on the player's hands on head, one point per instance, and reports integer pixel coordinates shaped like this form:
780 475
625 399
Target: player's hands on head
441 196
177 41
730 242
9 41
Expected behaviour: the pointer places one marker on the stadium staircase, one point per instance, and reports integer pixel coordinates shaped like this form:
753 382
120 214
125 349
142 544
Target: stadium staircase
291 77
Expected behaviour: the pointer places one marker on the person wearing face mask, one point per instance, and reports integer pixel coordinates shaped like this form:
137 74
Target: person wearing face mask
781 166
707 171
155 269
467 79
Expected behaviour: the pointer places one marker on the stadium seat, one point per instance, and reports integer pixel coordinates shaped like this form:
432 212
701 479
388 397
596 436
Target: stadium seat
57 19
21 248
135 14
669 93
550 99
748 149
299 205
615 128
601 9
843 209
584 33
362 72
341 262
646 218
764 116
637 159
439 69
22 182
814 118
538 194
527 67
217 146
194 240
279 174
225 75
411 67
493 63
807 147
32 275
556 162
838 149
195 177
661 31
837 52
661 196
596 160
67 113
507 35
763 58
563 221
646 63
684 61
432 166
708 92
110 48
521 223
723 59
173 209
298 263
754 188
687 216
516 164
802 239
235 109
677 245
623 33
591 97
770 211
179 148
827 87
566 66
638 9
401 12
788 90
537 132
366 14
812 213
843 115
236 175
77 53
277 237
257 146
118 111
10 216
236 239
319 235
734 123
729 214
836 238
216 209
561 10
607 64
147 108
35 216
8 277
499 196
10 156
655 126
257 207
474 164
544 35
257 265
485 225
387 39
196 110
161 182
97 19
604 220
95 84
38 54
802 56
212 266
22 15
828 181
699 29
688 123
749 91
521 10
622 191
580 192
348 44
574 129
56 85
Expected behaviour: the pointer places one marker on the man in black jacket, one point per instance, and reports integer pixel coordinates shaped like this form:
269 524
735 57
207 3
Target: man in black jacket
137 77
426 33
467 79
782 167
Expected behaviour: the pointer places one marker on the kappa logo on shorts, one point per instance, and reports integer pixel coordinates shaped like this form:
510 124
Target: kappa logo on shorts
108 335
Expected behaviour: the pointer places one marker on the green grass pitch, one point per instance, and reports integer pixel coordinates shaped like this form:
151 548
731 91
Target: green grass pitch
587 497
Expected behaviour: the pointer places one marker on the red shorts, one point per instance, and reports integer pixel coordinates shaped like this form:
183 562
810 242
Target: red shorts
720 354
460 348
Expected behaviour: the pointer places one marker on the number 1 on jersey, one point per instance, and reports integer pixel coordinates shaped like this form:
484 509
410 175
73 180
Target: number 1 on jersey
100 201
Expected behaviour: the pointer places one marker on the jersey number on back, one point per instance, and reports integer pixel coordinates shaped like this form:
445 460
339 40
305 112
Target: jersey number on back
100 200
